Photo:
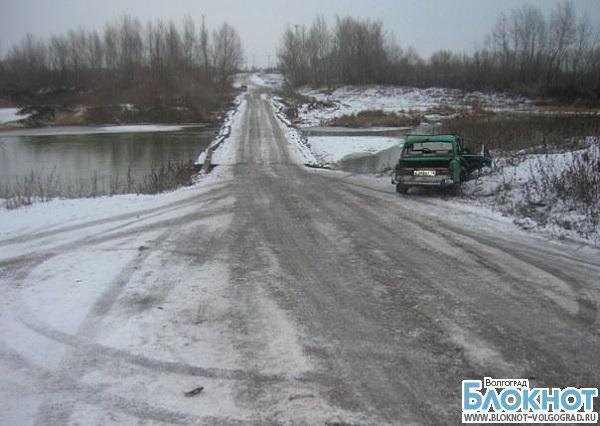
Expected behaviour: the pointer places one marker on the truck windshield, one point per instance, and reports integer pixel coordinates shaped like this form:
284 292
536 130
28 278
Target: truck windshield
419 148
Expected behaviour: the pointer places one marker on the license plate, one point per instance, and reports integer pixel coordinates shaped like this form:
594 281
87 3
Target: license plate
424 172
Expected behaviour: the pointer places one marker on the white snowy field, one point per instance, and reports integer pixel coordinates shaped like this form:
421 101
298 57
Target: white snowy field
8 115
81 250
273 80
544 191
348 100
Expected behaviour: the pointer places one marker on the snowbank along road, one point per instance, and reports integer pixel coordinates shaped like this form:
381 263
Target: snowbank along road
290 295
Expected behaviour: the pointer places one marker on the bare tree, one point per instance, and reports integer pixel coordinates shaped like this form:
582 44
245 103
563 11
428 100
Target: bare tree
95 51
293 57
562 33
131 46
530 37
226 52
189 41
111 47
204 46
359 49
59 54
318 49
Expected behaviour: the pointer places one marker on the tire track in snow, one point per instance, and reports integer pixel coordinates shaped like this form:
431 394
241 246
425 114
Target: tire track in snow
84 354
587 303
73 362
109 235
107 356
137 215
71 391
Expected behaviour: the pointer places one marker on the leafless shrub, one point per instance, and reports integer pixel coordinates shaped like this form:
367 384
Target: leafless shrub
375 118
166 177
571 185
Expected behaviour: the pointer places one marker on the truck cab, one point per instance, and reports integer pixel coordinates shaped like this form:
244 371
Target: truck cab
436 161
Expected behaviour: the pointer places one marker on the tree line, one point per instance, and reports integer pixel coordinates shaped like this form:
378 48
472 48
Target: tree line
160 56
526 51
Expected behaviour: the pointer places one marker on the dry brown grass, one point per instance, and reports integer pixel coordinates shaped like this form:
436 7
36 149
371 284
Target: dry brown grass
68 118
6 103
442 110
185 102
376 118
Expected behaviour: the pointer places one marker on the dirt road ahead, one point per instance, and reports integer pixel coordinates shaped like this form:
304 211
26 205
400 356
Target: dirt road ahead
291 296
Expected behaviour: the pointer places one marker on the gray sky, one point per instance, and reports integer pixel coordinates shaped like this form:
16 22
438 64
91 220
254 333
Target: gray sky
428 25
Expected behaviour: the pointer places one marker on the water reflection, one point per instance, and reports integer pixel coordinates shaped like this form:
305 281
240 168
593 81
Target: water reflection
75 155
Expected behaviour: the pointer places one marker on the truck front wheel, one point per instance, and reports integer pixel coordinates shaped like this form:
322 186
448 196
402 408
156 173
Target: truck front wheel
401 188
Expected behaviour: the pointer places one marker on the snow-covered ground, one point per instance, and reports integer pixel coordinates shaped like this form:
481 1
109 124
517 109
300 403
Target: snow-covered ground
294 136
222 153
272 80
8 115
329 150
81 250
540 191
36 218
348 100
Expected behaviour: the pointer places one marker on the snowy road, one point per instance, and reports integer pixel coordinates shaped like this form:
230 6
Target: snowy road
291 295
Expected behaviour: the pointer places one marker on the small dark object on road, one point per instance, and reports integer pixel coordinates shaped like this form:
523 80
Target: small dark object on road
300 396
194 392
142 248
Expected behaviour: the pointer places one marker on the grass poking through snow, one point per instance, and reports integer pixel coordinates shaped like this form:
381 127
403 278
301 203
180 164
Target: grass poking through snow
41 188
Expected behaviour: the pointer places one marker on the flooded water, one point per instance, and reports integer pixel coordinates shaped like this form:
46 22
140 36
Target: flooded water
364 161
350 131
74 155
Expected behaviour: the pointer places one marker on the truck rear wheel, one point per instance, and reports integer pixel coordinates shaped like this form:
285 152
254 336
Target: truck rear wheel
401 188
455 189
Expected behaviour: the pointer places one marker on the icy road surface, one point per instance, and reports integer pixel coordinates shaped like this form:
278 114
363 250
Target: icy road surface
290 295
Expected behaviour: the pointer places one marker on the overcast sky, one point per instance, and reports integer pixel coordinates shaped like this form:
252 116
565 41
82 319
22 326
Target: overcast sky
427 25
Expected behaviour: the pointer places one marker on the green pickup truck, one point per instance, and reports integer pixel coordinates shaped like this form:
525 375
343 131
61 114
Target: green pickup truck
436 160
